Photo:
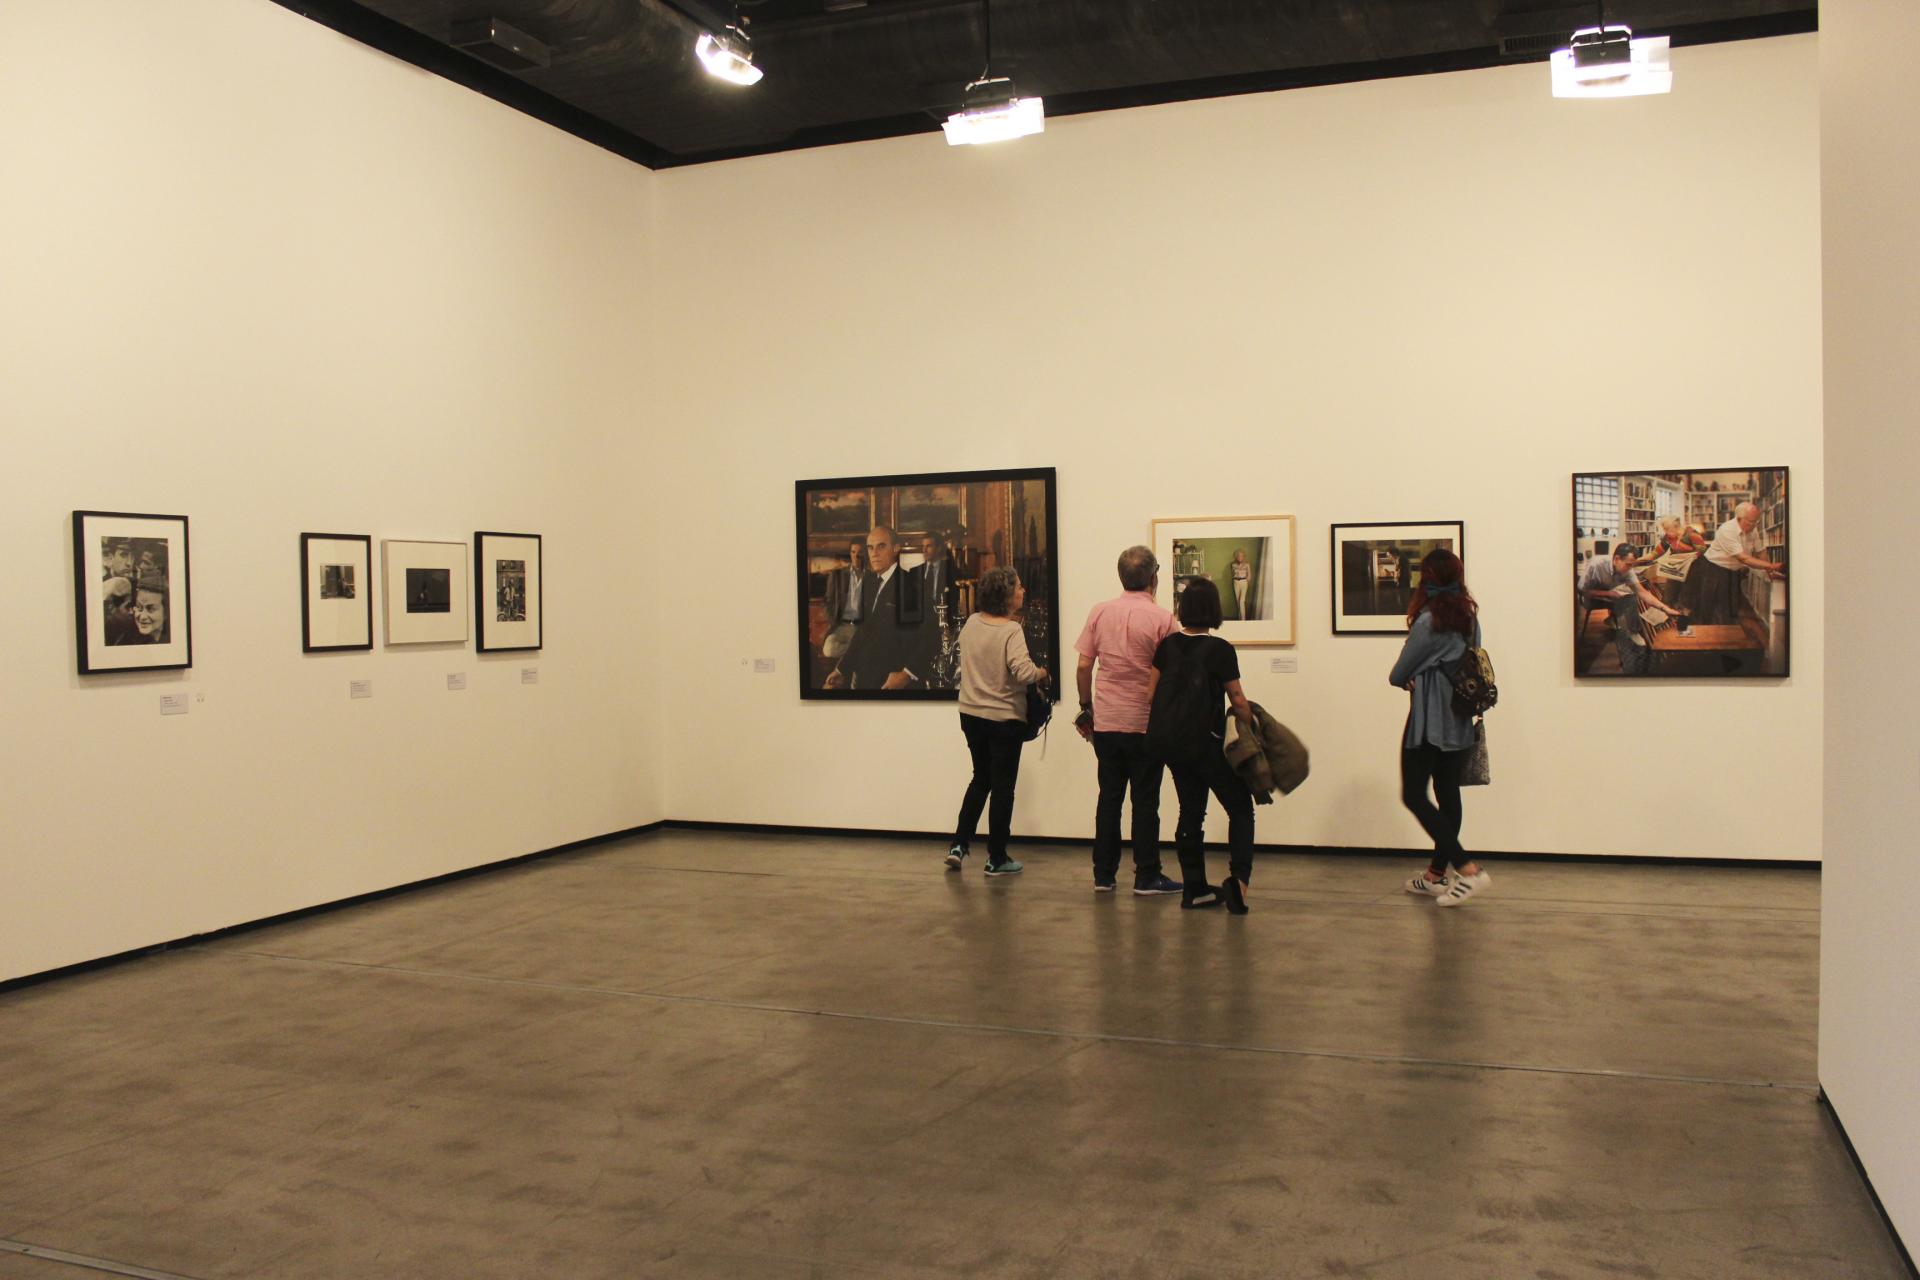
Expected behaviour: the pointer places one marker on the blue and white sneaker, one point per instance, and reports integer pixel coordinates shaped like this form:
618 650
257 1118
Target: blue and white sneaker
956 857
1156 887
1007 868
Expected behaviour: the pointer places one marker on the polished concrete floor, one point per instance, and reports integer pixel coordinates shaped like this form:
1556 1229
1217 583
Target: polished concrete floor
699 1055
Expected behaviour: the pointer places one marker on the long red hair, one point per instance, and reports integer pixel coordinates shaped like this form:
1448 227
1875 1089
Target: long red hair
1452 609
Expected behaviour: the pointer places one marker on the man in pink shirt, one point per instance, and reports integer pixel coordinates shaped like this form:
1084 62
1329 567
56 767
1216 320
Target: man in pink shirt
1120 637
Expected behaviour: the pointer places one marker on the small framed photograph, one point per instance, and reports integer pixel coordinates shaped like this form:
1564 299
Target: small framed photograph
336 592
132 605
506 598
1376 570
1249 558
425 591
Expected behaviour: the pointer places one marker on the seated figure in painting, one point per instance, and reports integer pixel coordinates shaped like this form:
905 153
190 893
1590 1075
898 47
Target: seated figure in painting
1614 584
1712 588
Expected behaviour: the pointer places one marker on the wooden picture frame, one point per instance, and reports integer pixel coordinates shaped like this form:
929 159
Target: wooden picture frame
1217 547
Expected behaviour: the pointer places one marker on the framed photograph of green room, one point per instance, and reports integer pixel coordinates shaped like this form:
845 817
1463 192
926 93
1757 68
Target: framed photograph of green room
1376 570
1681 573
1249 558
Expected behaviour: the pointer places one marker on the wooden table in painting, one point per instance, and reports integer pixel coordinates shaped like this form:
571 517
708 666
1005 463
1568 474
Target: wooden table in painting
1726 637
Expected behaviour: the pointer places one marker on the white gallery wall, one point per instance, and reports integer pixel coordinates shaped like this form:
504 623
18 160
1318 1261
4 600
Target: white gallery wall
1869 949
262 276
1418 299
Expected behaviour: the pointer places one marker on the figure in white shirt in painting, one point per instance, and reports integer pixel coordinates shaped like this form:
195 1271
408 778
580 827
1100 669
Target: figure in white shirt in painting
1712 589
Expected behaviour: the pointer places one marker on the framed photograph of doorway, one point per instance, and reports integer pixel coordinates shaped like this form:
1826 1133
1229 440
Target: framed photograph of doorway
1376 569
1249 558
336 592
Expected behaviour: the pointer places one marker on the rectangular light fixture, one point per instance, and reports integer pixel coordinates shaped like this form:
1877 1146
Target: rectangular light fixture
1608 62
727 56
993 113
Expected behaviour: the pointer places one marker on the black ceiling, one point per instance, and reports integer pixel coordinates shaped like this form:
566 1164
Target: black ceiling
623 74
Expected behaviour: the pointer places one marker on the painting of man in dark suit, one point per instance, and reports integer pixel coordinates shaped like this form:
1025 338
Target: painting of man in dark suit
887 646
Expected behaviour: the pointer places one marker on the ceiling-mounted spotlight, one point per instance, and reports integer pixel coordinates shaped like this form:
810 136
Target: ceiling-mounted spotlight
1607 62
991 112
728 55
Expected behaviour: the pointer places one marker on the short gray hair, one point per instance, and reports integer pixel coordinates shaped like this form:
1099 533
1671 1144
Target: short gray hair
1137 567
996 591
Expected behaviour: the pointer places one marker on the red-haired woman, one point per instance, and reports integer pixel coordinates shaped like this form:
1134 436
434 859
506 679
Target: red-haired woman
1442 621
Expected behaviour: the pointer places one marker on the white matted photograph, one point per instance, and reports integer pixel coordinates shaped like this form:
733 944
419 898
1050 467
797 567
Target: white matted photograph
336 592
425 591
506 597
1249 558
132 607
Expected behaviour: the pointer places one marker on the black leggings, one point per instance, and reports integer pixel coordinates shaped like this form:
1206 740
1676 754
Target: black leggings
1419 766
1192 783
995 748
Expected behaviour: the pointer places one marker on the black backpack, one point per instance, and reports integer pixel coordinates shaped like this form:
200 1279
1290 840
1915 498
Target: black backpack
1184 723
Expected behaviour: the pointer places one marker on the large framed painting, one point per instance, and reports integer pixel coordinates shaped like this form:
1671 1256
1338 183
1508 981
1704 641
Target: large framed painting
507 594
1681 573
132 602
336 592
1376 570
882 604
425 591
1249 558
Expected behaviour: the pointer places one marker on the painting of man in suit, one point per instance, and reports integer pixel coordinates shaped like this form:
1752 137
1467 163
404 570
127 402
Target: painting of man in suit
887 645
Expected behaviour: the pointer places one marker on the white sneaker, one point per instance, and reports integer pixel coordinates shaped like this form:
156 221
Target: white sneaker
1462 888
1421 887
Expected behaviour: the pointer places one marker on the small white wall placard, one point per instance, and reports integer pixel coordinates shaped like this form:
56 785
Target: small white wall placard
456 681
763 666
360 689
1286 664
529 675
173 704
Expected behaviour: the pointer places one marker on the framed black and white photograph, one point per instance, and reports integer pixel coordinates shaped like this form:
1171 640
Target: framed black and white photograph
1680 573
1249 558
425 591
132 605
1376 570
336 592
506 597
881 606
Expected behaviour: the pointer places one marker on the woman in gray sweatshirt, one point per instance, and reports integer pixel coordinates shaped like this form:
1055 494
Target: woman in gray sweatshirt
1443 620
995 670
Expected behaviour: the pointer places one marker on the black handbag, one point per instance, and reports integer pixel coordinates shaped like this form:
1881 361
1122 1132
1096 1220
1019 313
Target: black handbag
1039 709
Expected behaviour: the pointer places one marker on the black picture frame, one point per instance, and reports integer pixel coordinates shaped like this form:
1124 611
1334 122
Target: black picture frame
1337 576
363 589
1765 649
494 598
1001 526
103 642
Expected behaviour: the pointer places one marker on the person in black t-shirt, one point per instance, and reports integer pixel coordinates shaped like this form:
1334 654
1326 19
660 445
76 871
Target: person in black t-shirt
1201 766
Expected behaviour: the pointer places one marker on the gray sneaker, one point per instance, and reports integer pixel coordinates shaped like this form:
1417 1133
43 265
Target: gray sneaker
1007 868
956 856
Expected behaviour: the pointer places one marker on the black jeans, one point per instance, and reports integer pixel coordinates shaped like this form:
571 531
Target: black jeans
1192 783
995 747
1126 764
1425 764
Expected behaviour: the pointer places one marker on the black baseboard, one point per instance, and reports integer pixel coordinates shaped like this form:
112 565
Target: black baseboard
845 833
1321 850
120 957
1840 1128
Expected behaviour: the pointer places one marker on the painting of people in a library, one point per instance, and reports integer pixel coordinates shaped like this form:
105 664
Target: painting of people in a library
889 568
1681 573
1250 560
1376 570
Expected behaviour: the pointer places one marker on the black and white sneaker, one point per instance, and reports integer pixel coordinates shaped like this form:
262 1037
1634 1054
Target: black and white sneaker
956 857
1206 897
1235 894
1462 888
1421 887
